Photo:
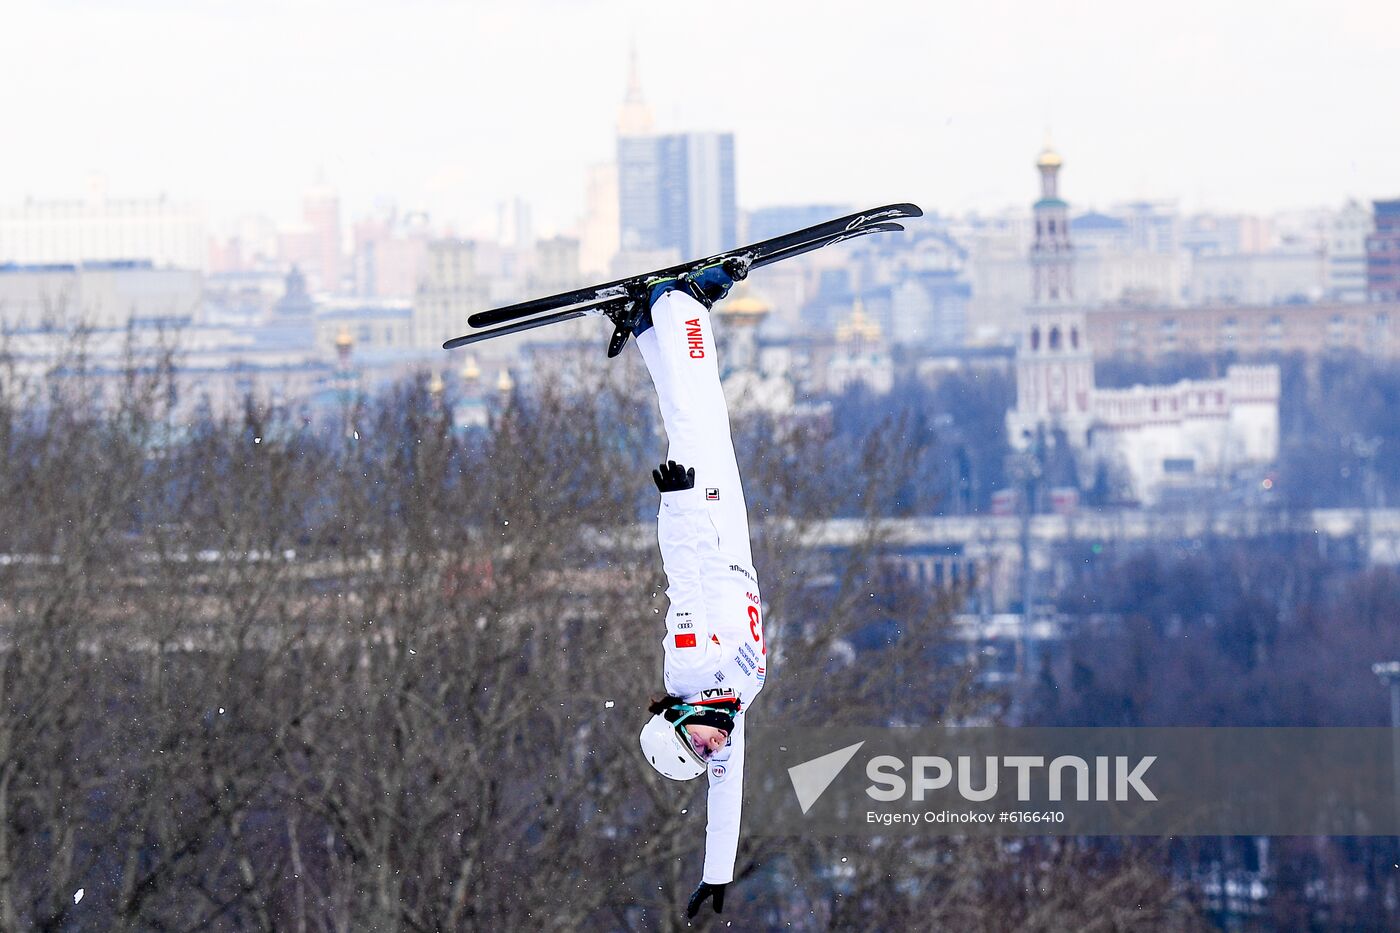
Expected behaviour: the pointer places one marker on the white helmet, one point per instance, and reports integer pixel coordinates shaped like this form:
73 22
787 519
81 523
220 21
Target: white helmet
668 752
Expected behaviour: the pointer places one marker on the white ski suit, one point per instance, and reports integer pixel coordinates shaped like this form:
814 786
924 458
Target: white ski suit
714 646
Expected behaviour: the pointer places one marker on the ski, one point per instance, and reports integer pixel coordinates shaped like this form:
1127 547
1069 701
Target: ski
832 230
622 320
599 308
797 249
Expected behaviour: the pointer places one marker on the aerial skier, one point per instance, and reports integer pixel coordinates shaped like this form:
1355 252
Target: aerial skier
714 653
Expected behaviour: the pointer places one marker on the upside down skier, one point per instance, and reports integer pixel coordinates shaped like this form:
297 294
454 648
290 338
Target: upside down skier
714 653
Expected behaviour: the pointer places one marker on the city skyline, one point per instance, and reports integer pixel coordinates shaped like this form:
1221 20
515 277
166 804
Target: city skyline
242 108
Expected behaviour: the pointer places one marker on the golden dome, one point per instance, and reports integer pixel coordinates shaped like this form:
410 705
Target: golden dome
744 304
470 371
859 327
1049 158
435 384
505 383
343 340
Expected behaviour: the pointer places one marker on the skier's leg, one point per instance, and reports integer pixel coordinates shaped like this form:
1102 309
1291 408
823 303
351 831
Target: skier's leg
679 350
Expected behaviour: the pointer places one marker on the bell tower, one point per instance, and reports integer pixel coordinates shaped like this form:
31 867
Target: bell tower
1054 367
1052 254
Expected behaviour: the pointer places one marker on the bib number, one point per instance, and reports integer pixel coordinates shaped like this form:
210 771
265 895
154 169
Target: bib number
756 629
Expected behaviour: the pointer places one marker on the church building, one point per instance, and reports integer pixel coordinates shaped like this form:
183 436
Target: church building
1195 432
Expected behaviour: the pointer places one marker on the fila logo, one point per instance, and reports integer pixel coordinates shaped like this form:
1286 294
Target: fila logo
695 340
712 493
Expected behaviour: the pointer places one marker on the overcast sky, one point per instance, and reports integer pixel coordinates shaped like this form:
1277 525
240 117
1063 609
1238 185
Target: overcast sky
1253 105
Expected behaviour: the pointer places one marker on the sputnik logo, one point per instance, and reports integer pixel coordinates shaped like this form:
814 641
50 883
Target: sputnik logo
811 778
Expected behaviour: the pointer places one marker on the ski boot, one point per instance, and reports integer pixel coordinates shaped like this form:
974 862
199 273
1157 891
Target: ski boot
707 285
631 316
711 283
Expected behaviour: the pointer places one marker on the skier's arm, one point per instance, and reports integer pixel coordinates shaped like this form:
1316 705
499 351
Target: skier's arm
724 809
688 541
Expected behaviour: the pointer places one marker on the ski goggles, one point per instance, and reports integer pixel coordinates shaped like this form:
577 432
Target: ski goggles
697 746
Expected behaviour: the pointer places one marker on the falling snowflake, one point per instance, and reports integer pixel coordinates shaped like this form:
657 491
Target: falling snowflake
78 895
609 705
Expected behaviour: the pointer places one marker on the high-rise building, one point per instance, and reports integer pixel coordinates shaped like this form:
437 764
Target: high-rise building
556 266
1383 253
599 233
698 215
634 119
674 191
102 229
453 286
1346 253
390 253
638 193
101 295
515 225
314 246
245 244
636 171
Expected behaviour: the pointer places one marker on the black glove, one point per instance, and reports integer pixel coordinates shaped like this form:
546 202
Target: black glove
672 477
702 892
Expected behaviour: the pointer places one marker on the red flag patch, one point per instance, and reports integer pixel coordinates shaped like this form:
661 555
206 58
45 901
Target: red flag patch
685 641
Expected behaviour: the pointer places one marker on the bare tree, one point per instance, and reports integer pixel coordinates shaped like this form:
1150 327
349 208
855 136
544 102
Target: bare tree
264 673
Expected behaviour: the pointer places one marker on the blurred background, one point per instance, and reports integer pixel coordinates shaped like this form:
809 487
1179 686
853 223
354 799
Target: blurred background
308 624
